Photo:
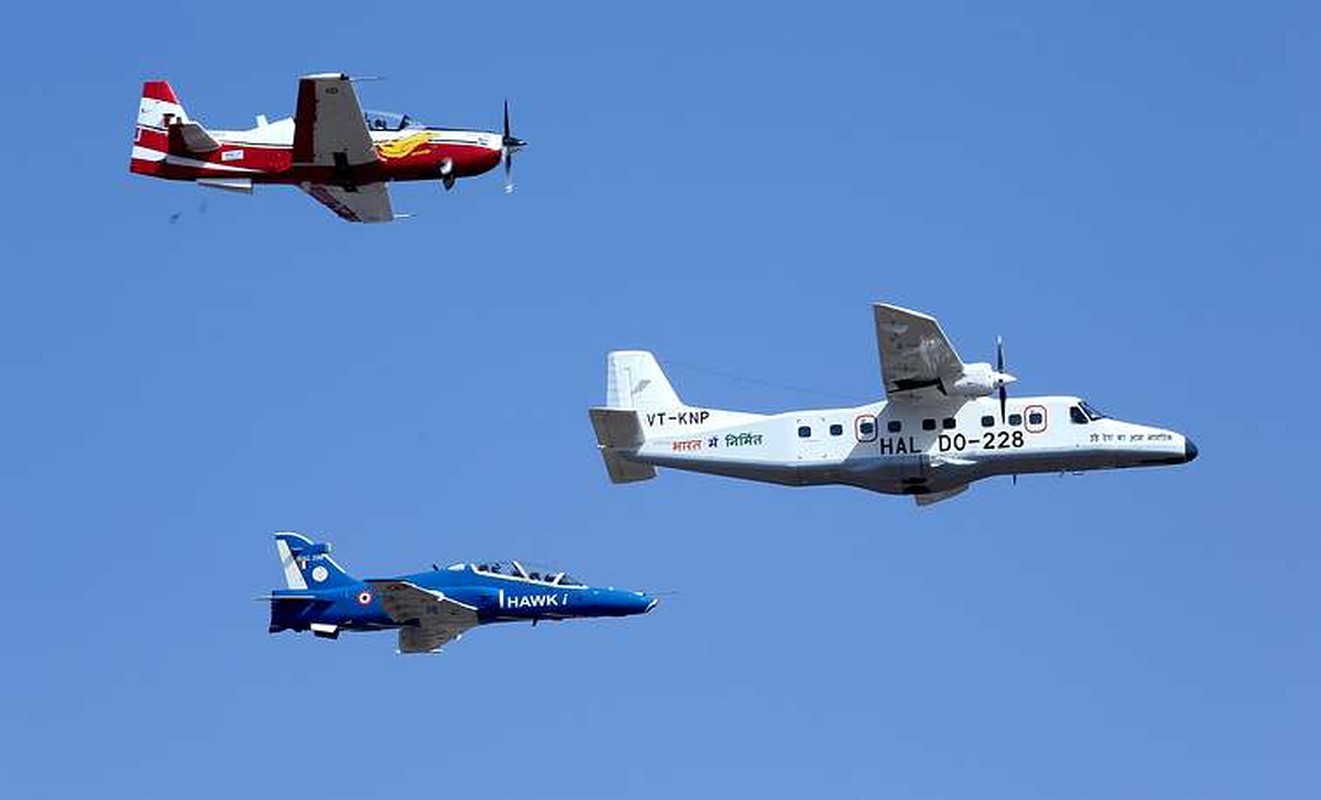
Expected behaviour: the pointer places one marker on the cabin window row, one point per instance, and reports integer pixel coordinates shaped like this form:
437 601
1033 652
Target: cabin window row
805 431
865 428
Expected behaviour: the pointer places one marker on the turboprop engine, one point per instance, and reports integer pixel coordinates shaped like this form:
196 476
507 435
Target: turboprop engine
979 380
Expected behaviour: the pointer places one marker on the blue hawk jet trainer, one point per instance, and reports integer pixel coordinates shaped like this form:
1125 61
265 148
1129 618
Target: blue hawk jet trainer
944 424
432 608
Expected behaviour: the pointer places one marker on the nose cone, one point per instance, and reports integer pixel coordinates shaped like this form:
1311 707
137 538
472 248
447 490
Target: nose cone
622 603
1189 450
626 604
641 603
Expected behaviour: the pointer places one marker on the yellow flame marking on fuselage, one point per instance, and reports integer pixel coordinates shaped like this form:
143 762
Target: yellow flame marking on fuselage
399 148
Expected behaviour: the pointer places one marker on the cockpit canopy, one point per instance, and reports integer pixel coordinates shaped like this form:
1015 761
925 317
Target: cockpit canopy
528 571
1084 413
389 121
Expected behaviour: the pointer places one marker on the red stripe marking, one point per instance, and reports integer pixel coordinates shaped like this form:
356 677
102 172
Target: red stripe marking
159 90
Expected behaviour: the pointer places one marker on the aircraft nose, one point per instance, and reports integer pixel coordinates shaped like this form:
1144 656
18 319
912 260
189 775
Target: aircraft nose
641 603
1189 450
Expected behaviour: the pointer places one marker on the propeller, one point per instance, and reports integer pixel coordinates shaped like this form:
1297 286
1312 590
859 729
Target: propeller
509 145
1004 393
1000 368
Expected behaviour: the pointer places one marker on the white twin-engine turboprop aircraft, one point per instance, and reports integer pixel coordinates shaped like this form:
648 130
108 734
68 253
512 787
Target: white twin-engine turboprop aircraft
943 425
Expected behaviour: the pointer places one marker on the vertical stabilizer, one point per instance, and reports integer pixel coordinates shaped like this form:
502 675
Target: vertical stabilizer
159 110
308 565
634 380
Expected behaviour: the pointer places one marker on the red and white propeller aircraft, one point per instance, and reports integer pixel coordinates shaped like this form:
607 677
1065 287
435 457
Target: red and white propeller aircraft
330 149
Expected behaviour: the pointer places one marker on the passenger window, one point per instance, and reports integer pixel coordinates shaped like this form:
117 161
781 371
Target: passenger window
988 421
1077 416
947 423
804 431
836 430
928 424
864 428
894 426
1035 418
1015 419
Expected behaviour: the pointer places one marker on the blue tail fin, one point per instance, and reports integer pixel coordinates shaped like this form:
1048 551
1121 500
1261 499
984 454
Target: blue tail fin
308 565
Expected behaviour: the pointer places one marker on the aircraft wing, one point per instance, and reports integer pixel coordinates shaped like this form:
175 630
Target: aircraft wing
329 129
916 358
369 202
430 619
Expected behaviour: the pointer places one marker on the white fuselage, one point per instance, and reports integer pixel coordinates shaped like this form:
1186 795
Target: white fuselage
901 448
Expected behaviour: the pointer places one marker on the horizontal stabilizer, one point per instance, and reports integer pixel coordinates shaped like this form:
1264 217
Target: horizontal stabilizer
243 185
617 427
621 470
189 138
620 429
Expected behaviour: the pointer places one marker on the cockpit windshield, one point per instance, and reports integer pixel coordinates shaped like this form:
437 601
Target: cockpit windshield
1082 413
388 121
528 571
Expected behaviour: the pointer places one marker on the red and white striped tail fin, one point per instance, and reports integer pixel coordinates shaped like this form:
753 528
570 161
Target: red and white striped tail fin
158 109
160 106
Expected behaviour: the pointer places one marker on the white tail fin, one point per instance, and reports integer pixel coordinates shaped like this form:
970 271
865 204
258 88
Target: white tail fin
634 380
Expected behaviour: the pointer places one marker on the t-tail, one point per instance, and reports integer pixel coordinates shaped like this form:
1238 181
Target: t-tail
310 577
164 129
641 405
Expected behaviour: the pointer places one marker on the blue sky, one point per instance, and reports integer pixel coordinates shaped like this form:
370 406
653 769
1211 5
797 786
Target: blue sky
1125 192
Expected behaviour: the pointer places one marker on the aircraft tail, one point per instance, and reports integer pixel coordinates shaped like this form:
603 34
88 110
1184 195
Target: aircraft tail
163 128
158 109
307 565
641 405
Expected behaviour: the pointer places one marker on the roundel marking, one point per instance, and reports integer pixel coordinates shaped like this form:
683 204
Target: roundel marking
319 574
364 597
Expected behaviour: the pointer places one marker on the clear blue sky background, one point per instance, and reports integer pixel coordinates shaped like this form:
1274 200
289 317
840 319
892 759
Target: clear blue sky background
1127 192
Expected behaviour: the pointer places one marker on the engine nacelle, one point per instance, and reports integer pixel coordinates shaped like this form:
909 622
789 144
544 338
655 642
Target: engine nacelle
979 380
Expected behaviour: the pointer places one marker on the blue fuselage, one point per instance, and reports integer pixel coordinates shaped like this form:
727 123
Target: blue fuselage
496 598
